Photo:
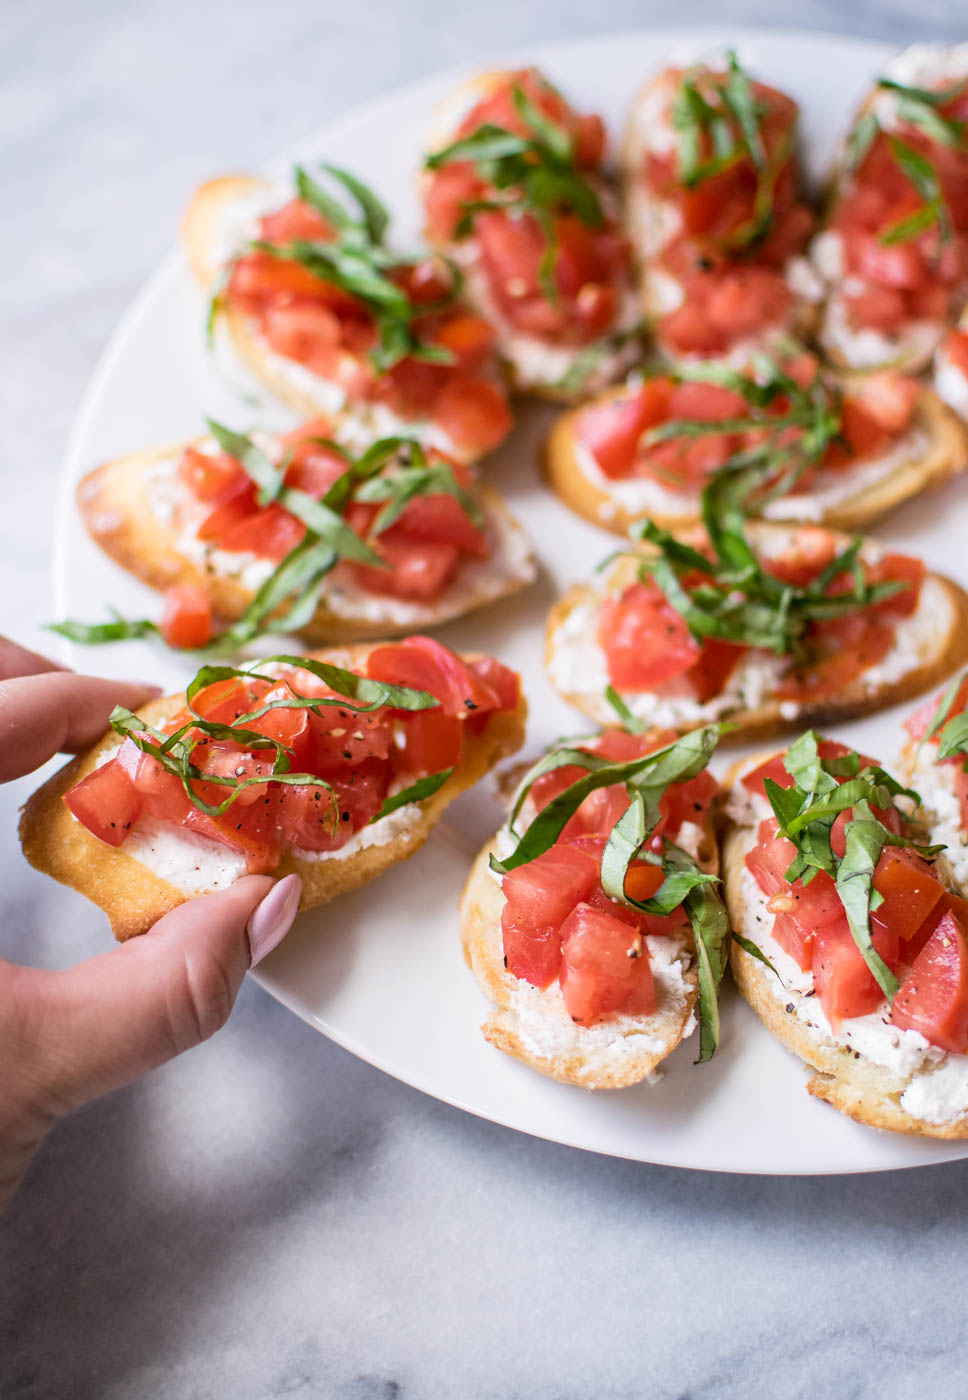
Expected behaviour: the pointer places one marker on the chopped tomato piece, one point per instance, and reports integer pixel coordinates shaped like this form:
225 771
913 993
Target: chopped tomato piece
902 569
418 570
106 802
956 349
933 997
186 616
440 519
773 768
845 985
208 474
604 967
611 430
540 896
713 667
232 505
500 680
910 892
646 642
270 533
424 664
474 413
431 742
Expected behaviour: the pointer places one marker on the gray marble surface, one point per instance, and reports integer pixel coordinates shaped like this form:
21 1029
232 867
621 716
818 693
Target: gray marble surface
269 1216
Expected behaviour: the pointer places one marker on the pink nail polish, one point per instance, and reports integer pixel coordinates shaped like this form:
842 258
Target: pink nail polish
272 919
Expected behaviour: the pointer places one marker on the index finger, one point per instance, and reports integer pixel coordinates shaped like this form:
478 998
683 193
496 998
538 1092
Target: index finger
58 712
16 660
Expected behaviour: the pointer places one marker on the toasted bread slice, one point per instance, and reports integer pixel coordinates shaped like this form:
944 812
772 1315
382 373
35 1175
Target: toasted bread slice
649 221
950 375
845 1073
533 1026
116 504
938 451
541 368
134 897
929 645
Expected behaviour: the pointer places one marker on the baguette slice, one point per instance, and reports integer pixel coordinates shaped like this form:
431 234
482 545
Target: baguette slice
134 897
850 1081
534 366
933 66
533 1026
932 643
651 221
115 502
575 476
219 217
938 787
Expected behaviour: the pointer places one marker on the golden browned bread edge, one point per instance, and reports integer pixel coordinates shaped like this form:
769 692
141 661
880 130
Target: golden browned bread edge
945 457
114 505
134 898
863 1091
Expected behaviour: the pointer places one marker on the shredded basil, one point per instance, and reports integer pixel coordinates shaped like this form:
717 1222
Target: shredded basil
95 633
806 813
416 792
748 946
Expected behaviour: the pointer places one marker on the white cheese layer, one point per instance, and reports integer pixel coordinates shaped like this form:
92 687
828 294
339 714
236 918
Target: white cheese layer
951 384
546 1029
476 581
577 666
935 783
932 1085
863 348
828 489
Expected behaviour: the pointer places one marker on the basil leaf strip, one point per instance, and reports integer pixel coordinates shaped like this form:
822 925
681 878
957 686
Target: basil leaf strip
748 946
96 633
416 792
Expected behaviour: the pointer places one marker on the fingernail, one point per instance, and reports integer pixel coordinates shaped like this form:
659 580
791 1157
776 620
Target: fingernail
153 690
272 920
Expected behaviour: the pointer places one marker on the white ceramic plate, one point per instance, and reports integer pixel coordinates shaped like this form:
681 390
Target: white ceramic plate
381 971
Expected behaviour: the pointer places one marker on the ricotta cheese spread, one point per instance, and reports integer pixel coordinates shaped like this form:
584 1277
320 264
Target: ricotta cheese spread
951 385
935 783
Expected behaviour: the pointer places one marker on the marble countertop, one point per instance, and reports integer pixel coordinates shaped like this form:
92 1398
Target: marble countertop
380 1244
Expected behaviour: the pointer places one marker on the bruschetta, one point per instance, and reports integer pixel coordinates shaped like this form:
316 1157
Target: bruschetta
515 192
592 920
715 212
951 368
331 321
848 942
933 762
335 765
893 251
770 628
807 447
351 547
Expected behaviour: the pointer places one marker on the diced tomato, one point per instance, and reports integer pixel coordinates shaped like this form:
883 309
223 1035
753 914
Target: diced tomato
226 701
956 349
220 758
911 893
933 997
688 802
611 428
307 332
773 768
448 190
418 570
440 519
208 474
845 985
232 505
271 533
470 339
294 222
809 553
431 742
918 723
186 616
770 858
898 568
340 739
474 413
713 667
646 642
425 664
539 897
106 802
310 819
604 967
500 680
259 277
599 812
795 941
851 644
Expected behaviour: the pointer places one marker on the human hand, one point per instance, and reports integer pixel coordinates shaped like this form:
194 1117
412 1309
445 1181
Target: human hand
69 1037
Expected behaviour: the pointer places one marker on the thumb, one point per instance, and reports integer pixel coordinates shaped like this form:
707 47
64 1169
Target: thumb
105 1022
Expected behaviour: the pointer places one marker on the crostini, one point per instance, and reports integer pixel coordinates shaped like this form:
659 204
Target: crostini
767 626
848 943
807 447
593 920
516 193
715 213
333 322
334 765
293 531
933 761
893 251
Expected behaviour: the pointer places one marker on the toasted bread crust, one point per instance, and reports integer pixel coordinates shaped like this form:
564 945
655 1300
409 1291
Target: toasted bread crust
767 719
114 501
134 898
946 456
862 1090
